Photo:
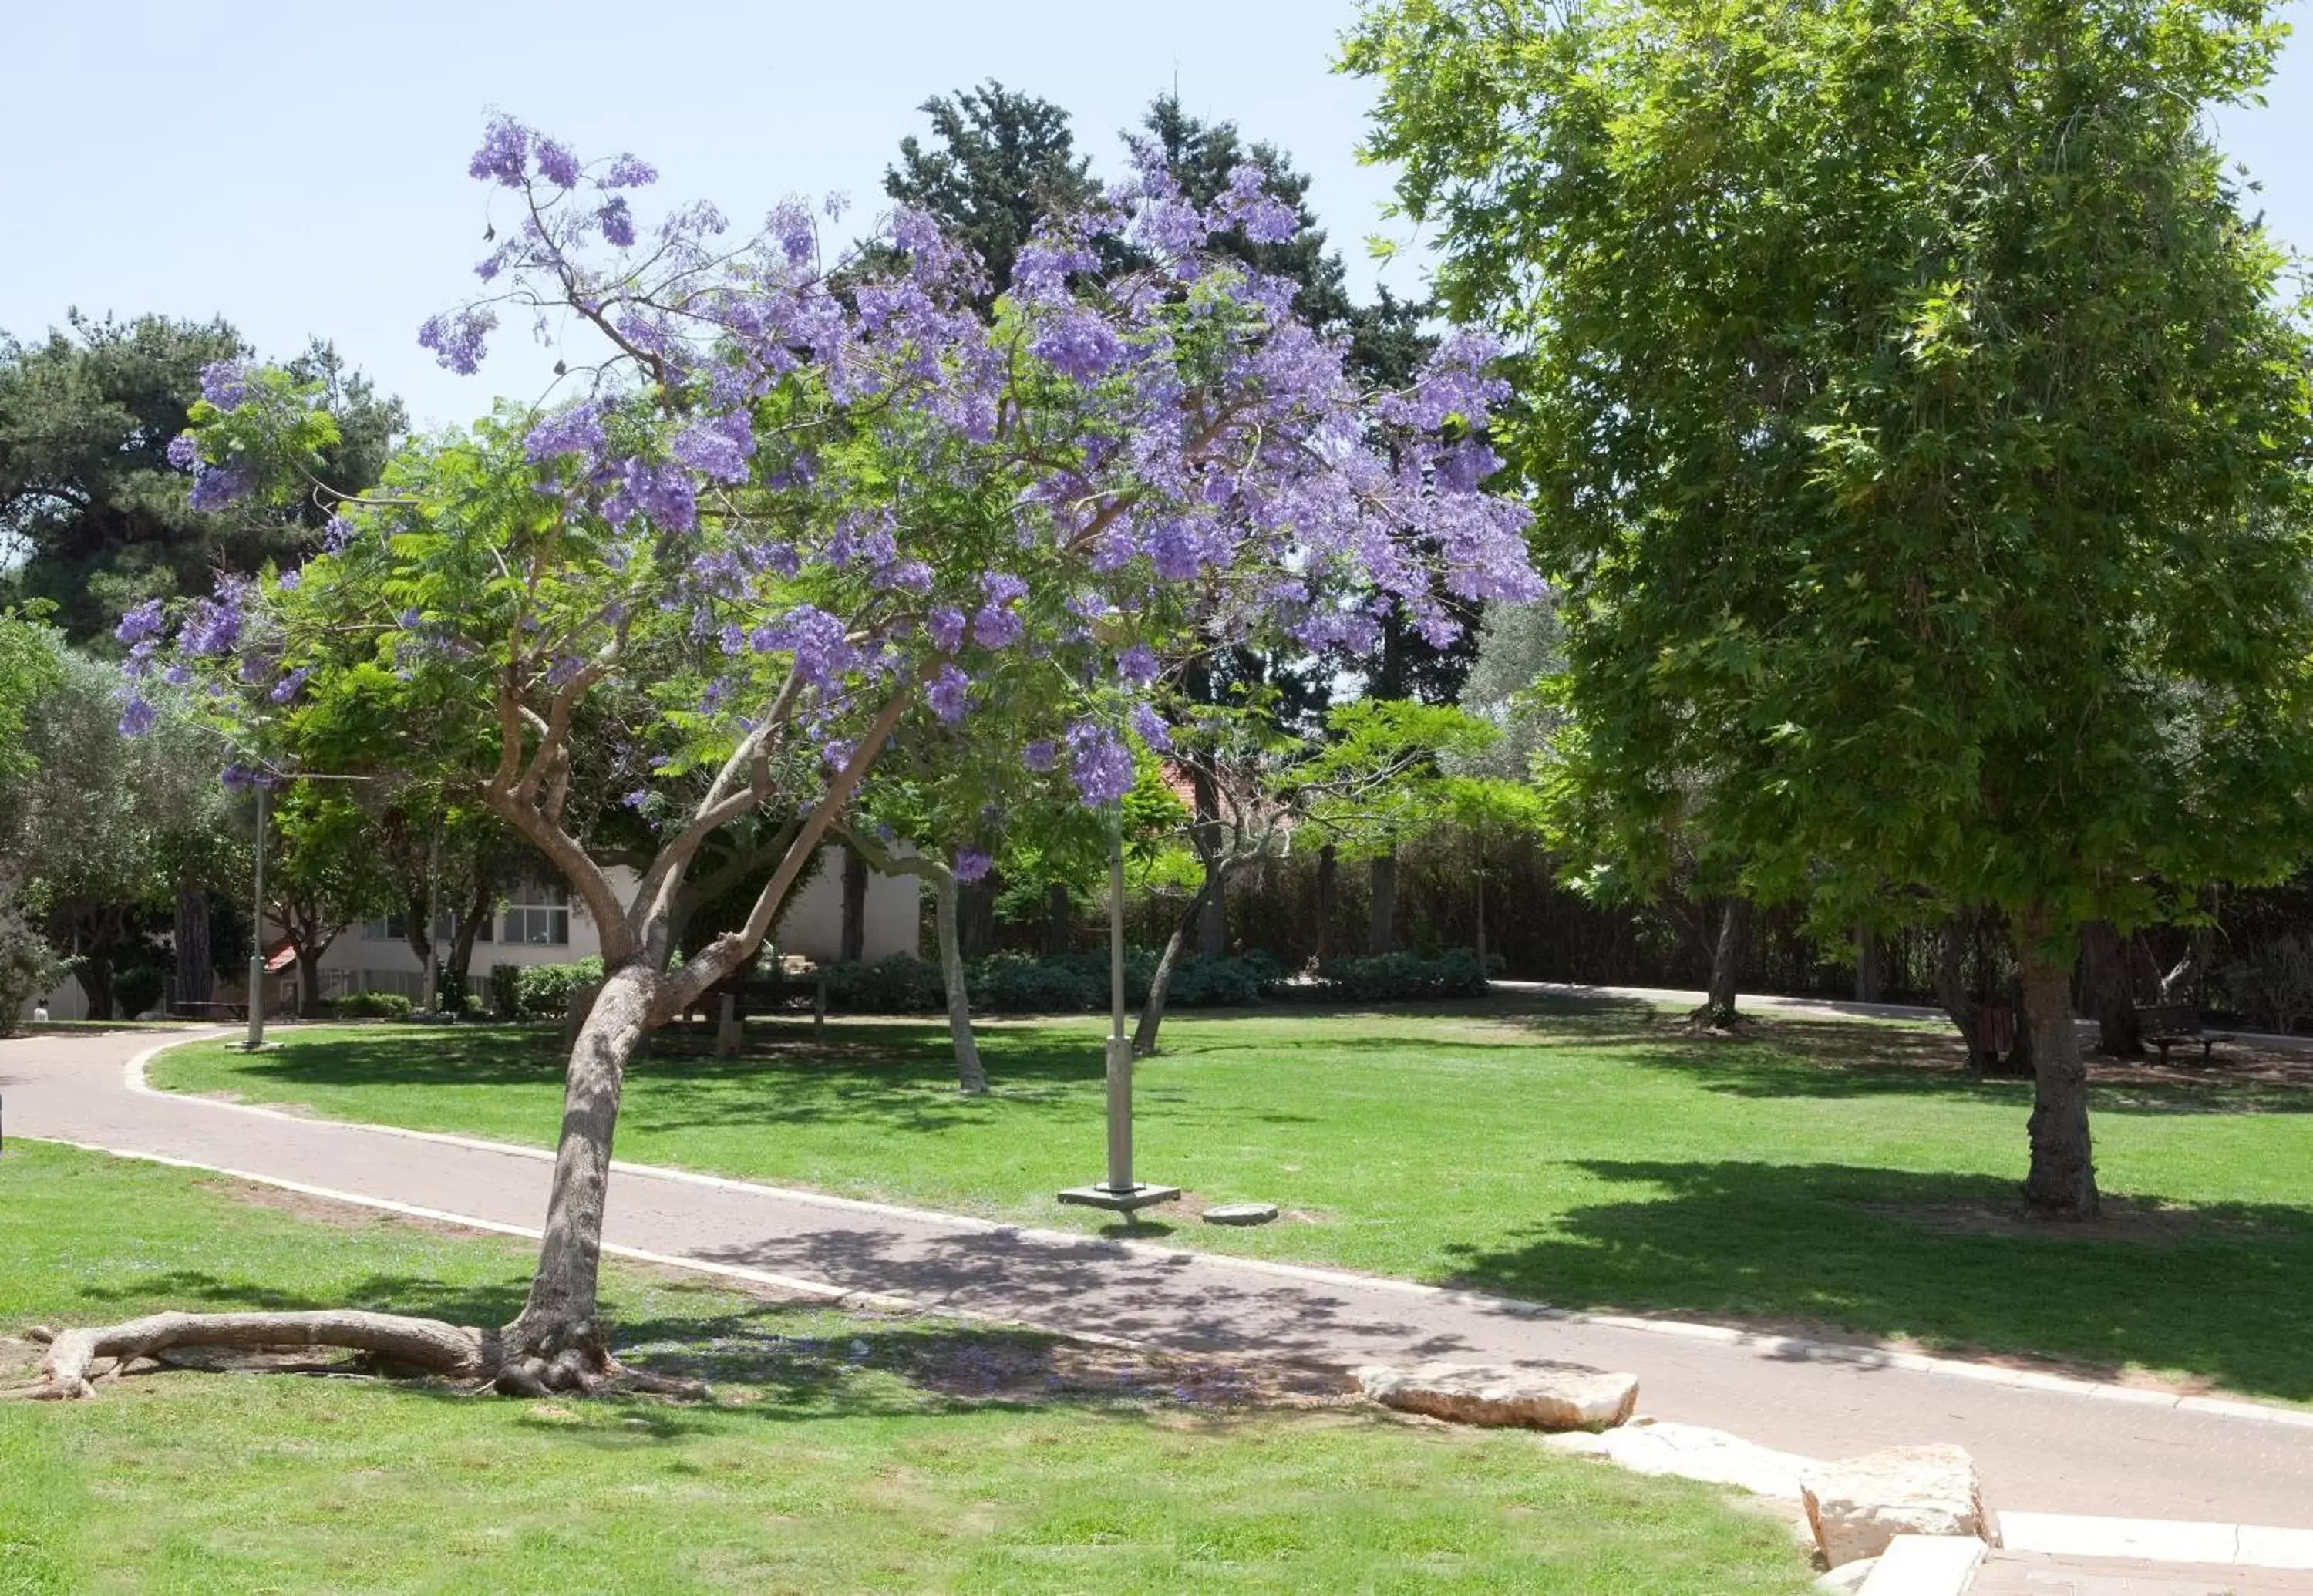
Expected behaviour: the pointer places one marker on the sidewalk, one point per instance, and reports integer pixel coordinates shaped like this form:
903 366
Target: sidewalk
2044 1445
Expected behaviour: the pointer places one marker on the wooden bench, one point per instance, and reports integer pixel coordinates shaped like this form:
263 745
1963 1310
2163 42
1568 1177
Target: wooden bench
2167 1025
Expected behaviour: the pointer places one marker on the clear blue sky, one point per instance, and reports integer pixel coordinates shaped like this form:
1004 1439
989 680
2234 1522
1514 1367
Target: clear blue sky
301 169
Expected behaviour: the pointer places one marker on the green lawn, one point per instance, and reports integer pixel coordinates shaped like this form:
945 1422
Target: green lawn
1827 1175
842 1453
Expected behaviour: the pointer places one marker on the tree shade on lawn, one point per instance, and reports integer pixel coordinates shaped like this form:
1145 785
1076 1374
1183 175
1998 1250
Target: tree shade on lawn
1921 433
1837 1177
807 507
843 1454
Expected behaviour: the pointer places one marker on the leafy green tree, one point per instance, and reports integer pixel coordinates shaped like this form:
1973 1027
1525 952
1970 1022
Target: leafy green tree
1002 163
1920 442
93 518
325 871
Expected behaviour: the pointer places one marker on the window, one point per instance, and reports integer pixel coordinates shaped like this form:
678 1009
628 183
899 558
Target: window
538 927
393 928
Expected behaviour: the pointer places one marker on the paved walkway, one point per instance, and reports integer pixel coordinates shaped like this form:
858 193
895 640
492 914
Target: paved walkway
2044 1445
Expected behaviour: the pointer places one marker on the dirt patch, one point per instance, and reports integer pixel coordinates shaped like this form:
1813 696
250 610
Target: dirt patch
328 1210
2119 1220
1006 1369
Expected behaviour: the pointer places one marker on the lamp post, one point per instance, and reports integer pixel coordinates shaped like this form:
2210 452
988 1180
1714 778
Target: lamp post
1120 1192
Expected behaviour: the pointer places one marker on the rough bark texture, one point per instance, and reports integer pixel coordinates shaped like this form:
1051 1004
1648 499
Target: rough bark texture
1381 936
1329 877
2061 1183
309 982
853 944
2107 995
1870 966
1951 990
195 971
557 1328
1717 1011
977 910
1160 984
971 1075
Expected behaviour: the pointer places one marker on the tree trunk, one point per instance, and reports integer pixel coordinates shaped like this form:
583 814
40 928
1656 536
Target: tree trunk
2107 992
1381 935
1870 966
196 970
1717 1011
1478 886
1951 990
971 1076
1212 927
2062 1184
1160 984
1329 872
558 1326
977 907
95 978
853 946
308 980
1060 919
461 938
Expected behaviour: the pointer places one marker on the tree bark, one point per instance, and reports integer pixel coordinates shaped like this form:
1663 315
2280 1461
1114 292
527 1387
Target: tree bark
2062 1181
971 1075
196 970
853 944
1717 1011
1329 872
2107 992
1381 935
1870 966
1160 984
309 980
977 908
95 978
1060 919
558 1328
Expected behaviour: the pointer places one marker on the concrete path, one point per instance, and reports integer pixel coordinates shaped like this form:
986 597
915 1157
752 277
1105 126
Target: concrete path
2042 1444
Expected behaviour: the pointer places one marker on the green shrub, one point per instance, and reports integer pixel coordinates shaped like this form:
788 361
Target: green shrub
542 991
1070 983
372 1005
505 990
1393 977
896 984
1019 983
138 989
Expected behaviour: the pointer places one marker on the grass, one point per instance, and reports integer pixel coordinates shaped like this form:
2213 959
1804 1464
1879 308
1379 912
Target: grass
1826 1176
841 1454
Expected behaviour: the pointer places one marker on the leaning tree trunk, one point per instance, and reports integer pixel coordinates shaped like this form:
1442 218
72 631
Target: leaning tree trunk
971 1075
2107 994
1160 984
1381 935
1717 1011
2062 1182
557 1339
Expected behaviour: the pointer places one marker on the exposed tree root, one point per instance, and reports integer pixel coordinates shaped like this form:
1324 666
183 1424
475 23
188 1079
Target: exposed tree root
78 1360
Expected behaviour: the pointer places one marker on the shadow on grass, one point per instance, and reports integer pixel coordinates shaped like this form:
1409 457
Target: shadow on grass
1950 1261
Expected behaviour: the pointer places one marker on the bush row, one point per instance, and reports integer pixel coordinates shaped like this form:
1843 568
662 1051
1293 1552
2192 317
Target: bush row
1078 982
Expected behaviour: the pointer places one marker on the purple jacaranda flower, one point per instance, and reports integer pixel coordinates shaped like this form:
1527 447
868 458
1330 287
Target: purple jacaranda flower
184 451
637 798
1079 345
211 628
1042 754
142 622
1152 728
577 430
945 623
992 628
290 581
1099 764
216 486
629 172
949 694
1137 666
137 718
504 148
718 448
972 864
458 340
337 533
556 162
290 685
225 384
617 221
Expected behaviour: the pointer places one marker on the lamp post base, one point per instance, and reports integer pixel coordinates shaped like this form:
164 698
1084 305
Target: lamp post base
1123 1201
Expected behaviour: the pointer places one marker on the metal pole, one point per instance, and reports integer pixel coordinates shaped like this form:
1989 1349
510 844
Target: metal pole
257 928
1119 1051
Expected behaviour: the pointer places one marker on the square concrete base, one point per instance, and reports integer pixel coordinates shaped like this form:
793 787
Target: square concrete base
1120 1202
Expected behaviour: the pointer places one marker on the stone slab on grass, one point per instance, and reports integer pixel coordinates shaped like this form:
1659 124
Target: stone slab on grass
1503 1394
1925 1565
1858 1505
1692 1451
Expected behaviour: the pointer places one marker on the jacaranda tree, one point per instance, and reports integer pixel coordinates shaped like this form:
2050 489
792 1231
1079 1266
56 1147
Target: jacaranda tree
798 510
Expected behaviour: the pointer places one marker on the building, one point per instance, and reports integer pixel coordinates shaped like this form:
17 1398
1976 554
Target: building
540 923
